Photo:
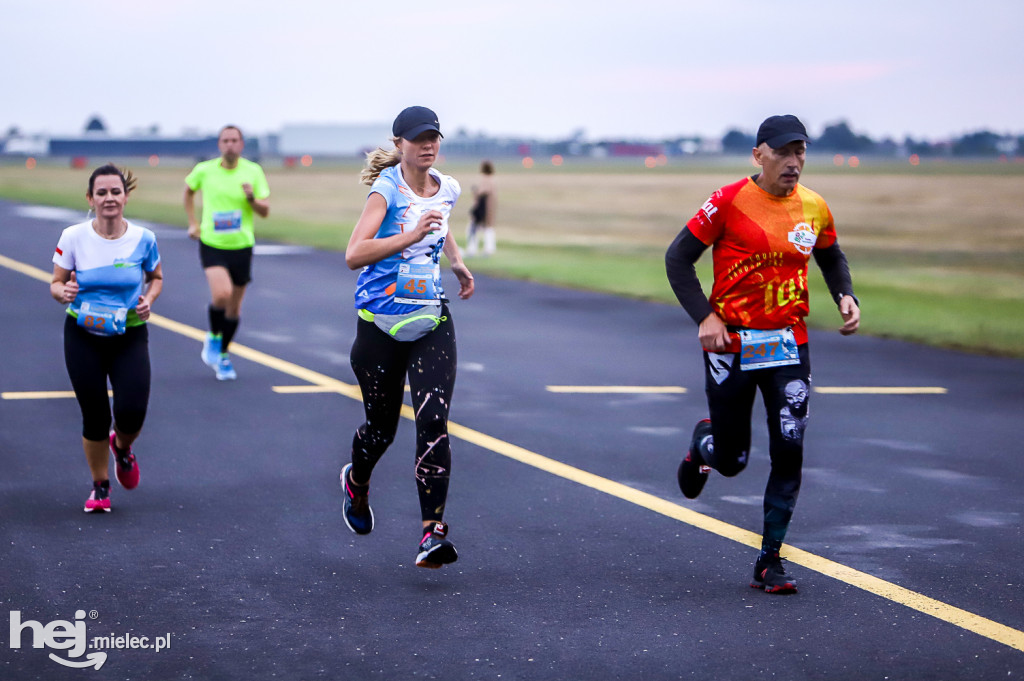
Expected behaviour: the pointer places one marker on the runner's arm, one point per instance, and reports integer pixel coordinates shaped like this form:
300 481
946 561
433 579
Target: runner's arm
155 285
363 249
682 275
836 271
190 212
64 285
259 206
462 273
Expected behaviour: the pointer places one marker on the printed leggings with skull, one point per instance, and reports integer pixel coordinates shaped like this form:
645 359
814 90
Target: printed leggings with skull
381 365
786 392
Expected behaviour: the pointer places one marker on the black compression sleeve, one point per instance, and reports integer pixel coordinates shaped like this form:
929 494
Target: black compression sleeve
836 271
679 260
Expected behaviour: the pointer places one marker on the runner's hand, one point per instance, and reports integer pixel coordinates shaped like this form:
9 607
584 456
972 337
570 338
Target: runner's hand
466 286
193 231
851 315
429 222
713 335
143 309
70 289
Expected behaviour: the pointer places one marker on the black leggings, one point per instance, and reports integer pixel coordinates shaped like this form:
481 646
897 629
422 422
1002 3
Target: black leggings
91 359
786 394
381 364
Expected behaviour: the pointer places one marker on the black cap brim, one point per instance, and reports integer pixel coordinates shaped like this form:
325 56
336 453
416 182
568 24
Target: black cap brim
419 130
782 140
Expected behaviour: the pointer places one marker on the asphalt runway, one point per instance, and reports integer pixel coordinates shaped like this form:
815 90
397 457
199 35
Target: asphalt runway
579 558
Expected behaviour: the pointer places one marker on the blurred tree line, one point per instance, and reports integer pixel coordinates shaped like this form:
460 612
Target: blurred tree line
840 138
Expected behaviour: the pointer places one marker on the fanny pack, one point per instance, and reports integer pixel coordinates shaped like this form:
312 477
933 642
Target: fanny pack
407 327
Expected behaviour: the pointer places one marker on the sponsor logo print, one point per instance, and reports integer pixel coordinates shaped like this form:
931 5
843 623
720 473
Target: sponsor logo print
803 237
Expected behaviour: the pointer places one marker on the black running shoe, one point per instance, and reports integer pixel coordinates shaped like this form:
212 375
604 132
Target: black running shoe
693 472
770 575
358 514
435 549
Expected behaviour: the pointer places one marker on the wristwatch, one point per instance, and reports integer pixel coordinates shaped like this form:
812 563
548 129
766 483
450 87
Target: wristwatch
839 298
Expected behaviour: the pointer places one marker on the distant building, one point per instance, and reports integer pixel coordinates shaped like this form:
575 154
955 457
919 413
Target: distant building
102 146
341 140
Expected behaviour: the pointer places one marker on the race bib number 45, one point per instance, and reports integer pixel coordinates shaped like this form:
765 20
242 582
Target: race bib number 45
764 349
416 284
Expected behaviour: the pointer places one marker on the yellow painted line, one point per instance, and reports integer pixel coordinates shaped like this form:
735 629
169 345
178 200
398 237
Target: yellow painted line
613 389
879 587
42 395
881 390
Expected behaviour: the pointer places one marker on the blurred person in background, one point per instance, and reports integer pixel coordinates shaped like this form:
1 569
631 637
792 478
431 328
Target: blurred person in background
233 190
482 214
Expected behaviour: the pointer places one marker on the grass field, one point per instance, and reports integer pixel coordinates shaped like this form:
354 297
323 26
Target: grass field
936 251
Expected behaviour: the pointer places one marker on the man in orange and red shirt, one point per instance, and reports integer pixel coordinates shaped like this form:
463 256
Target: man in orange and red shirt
762 230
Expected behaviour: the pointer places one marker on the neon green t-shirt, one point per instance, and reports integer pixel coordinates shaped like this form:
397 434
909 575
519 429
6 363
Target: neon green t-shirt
227 216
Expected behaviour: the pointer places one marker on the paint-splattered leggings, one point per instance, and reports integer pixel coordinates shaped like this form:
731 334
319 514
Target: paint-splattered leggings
381 364
786 394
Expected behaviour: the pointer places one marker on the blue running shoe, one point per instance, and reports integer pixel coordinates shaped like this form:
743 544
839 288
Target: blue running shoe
225 370
358 514
211 350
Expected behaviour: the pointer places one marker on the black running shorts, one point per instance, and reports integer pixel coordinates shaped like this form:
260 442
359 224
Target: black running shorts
238 262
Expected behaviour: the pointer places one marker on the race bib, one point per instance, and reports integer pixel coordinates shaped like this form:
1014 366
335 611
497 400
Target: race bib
764 349
417 284
227 221
103 320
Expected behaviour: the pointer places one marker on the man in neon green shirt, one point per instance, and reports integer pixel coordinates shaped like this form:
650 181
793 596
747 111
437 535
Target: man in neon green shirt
233 190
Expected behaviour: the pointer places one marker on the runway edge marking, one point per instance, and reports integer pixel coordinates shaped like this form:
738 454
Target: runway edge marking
929 606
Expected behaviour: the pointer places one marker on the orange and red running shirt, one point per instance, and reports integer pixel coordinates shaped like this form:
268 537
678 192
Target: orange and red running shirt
760 247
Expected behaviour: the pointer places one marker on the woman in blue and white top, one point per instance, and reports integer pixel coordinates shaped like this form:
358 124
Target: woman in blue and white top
107 271
404 326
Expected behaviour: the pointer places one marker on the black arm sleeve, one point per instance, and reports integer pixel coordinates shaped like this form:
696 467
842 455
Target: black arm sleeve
836 271
679 260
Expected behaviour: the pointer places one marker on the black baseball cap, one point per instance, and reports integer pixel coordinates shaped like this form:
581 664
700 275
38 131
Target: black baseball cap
778 131
413 121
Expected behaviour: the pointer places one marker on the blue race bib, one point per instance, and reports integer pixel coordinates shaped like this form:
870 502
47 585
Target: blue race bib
227 221
764 349
417 284
103 320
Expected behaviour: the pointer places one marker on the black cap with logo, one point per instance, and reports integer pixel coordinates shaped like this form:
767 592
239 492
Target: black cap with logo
413 121
778 131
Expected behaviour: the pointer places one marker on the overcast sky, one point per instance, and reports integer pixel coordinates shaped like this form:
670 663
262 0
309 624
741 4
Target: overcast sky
532 67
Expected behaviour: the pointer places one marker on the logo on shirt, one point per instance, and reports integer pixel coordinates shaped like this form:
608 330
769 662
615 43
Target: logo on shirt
709 209
803 237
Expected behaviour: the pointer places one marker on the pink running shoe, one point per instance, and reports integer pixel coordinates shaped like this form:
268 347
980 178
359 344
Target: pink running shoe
125 467
99 500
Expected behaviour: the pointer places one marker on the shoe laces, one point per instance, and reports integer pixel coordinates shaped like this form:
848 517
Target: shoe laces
774 563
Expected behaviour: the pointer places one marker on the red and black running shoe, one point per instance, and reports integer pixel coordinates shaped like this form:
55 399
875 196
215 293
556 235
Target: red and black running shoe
693 471
770 575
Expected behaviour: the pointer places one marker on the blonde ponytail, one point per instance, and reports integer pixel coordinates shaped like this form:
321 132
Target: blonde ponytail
377 160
